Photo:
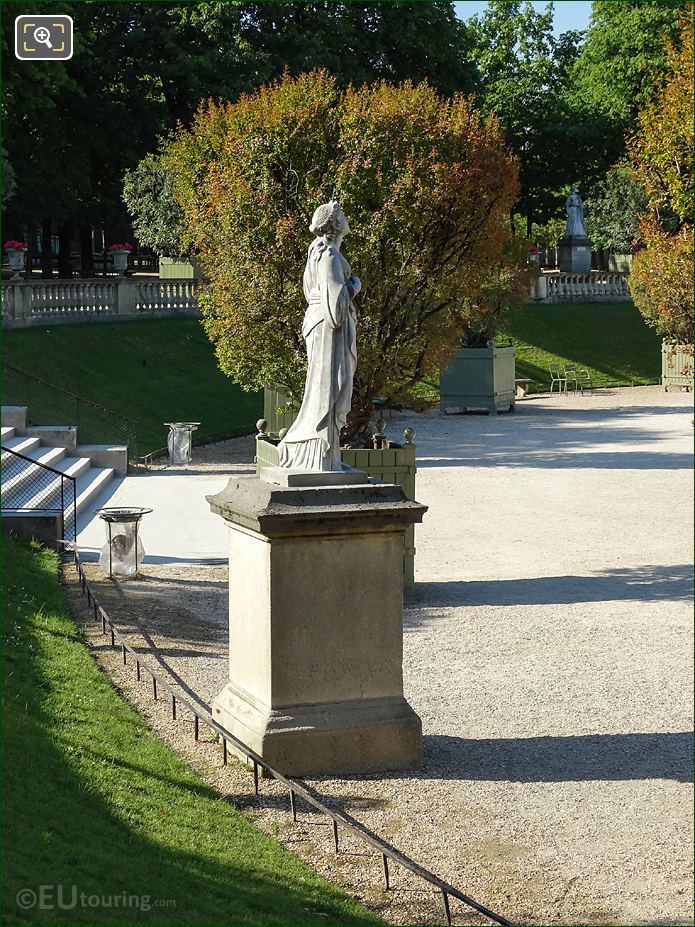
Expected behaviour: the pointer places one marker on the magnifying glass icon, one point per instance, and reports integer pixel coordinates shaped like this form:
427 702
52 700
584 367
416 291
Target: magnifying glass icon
43 35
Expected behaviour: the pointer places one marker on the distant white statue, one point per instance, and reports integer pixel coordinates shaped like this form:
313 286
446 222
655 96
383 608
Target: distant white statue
313 440
575 215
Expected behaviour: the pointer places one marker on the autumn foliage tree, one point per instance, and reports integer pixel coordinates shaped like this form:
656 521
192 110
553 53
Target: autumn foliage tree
427 186
661 161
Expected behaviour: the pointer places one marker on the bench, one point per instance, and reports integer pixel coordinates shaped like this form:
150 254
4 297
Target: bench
521 387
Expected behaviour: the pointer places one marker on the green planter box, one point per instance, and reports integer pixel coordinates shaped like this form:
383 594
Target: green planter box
676 365
274 398
392 465
479 380
169 269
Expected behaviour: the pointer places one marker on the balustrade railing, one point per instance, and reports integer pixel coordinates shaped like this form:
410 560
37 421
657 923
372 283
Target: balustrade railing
32 302
596 286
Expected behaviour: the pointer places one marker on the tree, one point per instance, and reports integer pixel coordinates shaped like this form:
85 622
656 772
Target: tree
149 194
621 63
614 209
524 73
661 160
427 186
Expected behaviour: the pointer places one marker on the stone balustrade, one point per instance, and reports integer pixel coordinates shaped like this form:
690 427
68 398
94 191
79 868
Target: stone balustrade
49 302
594 287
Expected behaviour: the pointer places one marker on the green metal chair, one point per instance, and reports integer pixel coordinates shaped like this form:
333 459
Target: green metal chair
556 376
584 381
571 377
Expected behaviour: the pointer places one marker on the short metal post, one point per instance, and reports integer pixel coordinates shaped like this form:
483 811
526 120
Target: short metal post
255 776
137 670
113 638
447 909
293 805
196 728
335 834
123 653
173 707
224 751
96 611
154 687
385 867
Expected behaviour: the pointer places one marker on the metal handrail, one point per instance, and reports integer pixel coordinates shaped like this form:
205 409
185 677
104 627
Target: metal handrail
124 428
47 508
295 788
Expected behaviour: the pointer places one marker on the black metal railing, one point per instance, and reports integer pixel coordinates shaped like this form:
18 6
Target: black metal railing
161 684
50 404
30 486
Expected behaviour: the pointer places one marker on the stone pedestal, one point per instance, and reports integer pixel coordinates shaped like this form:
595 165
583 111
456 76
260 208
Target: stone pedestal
315 626
574 255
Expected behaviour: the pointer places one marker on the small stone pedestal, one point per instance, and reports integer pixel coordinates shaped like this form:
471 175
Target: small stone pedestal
574 255
316 626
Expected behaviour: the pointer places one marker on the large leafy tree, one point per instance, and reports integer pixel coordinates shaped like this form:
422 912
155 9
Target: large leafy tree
614 211
621 63
661 160
72 129
524 72
427 185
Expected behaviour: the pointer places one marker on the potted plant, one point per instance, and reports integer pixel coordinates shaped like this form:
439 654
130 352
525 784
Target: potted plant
16 251
481 375
120 254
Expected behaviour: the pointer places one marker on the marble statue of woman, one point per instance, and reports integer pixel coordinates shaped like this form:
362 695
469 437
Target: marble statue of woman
313 440
575 215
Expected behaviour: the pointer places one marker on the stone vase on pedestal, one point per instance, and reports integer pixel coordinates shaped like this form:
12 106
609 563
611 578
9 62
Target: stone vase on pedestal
315 625
16 258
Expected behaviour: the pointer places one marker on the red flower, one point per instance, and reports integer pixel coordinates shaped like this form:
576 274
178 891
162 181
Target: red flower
14 244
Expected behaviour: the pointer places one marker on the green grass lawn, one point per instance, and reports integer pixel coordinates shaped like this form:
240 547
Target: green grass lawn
610 339
154 371
94 800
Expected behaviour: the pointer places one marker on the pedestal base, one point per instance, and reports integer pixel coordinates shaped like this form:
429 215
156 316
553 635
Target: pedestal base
574 255
332 738
316 626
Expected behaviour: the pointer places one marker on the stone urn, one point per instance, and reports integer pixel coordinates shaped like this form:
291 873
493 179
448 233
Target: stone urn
16 256
120 255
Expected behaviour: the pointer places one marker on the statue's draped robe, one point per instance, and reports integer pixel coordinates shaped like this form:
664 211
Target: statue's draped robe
575 217
313 440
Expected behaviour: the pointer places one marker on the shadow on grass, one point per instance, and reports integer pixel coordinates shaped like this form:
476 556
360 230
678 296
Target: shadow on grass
93 801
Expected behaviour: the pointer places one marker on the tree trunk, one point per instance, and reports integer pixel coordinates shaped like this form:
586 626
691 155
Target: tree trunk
64 262
357 431
33 245
86 252
46 249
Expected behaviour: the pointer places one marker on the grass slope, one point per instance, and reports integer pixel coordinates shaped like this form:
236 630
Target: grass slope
154 371
93 800
610 339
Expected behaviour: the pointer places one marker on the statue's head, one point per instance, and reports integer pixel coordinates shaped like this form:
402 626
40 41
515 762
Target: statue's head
329 220
574 188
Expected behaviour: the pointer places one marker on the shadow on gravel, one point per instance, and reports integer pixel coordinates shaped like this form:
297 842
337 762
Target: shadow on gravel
632 584
608 757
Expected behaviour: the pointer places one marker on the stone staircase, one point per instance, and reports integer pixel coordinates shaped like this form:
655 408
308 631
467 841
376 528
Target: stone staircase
29 495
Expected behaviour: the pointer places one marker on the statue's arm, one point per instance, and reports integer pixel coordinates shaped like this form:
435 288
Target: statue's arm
336 292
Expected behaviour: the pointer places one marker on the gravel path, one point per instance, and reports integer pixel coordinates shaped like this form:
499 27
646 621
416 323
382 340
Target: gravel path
548 652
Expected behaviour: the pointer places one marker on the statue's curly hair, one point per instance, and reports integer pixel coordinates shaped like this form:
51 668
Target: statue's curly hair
325 219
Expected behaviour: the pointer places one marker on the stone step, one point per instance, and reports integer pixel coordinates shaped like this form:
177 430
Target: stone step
21 444
7 433
18 472
91 483
45 491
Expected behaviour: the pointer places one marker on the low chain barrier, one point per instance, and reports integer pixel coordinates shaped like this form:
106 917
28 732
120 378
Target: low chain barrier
161 685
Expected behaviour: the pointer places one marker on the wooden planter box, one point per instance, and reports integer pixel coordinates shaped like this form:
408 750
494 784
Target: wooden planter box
169 269
479 380
676 365
275 397
391 465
